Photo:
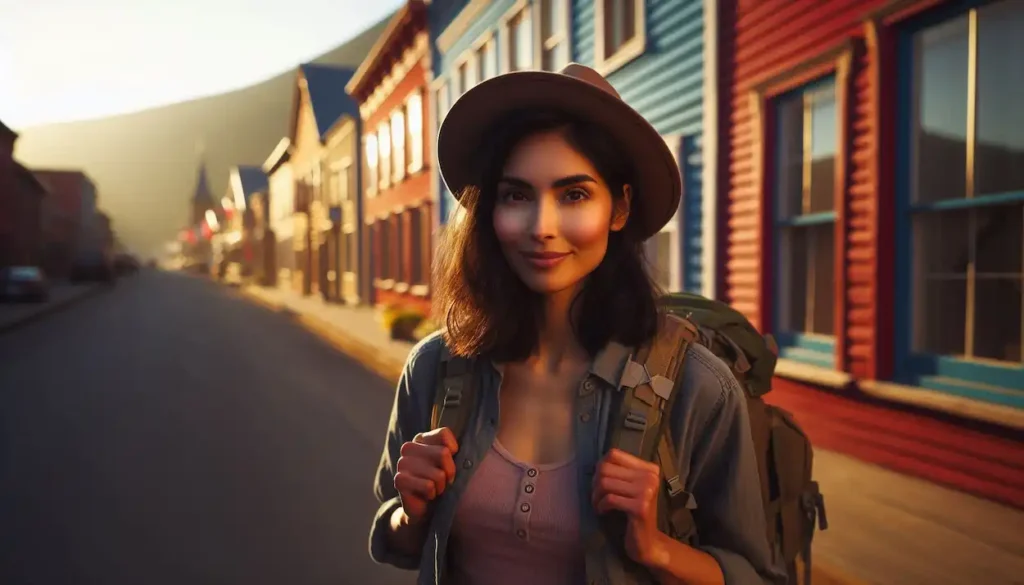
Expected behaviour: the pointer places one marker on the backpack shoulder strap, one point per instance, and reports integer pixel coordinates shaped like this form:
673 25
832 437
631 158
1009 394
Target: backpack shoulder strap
650 386
455 393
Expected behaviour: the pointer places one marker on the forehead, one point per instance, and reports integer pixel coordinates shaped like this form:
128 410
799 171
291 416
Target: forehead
545 155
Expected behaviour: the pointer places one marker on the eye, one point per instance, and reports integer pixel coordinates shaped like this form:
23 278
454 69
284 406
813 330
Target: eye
576 195
512 196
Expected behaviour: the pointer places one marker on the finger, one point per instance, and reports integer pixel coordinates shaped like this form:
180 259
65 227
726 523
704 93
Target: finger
442 437
626 460
425 466
611 485
438 456
611 502
410 486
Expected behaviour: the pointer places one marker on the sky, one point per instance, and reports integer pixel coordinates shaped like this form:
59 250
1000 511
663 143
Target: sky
65 60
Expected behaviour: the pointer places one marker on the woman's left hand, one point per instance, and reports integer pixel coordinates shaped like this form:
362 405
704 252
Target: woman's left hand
629 484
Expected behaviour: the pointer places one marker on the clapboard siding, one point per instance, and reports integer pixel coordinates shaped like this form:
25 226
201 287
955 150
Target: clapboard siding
666 86
772 37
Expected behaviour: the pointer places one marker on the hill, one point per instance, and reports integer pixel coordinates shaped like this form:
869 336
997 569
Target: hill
144 163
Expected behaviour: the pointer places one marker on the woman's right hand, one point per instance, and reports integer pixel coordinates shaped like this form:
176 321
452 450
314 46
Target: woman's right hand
426 467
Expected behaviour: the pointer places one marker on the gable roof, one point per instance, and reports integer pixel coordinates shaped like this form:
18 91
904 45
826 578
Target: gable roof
412 13
202 189
246 181
325 85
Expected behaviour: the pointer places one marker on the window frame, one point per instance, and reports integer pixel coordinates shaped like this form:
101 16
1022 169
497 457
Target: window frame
564 36
827 353
522 8
414 137
630 50
969 377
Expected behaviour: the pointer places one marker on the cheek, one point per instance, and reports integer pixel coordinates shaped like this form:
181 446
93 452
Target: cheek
509 224
587 227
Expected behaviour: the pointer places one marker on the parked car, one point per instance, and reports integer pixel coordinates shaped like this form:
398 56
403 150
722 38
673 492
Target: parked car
125 264
24 283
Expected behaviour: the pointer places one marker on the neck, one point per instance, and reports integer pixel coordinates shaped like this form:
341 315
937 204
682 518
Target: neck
557 343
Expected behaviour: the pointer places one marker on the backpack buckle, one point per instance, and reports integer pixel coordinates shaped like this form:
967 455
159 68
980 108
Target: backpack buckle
675 486
636 421
452 397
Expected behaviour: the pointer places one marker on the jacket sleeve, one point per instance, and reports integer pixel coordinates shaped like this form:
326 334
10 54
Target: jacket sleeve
723 476
410 414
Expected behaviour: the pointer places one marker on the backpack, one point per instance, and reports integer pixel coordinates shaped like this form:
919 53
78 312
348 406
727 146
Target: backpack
793 503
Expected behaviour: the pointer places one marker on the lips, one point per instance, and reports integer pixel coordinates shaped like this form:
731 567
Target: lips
545 260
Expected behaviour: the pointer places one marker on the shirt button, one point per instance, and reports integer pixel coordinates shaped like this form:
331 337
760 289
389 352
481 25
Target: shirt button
525 507
531 472
529 488
467 464
589 384
521 533
585 417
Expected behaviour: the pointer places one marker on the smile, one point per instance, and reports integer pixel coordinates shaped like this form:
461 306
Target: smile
545 260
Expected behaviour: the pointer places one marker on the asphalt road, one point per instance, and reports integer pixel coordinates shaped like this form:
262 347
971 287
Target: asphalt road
170 432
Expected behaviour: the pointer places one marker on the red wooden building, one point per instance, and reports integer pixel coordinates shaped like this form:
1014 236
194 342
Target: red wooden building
871 167
390 87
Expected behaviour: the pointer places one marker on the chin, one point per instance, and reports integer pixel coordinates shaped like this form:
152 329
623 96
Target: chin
546 284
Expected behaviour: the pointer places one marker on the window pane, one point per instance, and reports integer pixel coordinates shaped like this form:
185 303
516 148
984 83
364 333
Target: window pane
999 246
789 174
399 252
1000 148
821 279
940 135
398 143
552 19
792 275
824 144
940 282
490 60
659 252
521 42
415 237
442 102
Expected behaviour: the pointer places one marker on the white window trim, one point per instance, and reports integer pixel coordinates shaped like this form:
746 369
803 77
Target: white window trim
505 47
371 186
384 179
540 44
631 50
417 152
488 38
398 170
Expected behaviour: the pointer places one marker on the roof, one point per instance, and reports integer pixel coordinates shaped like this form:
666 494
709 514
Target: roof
5 129
33 180
246 181
202 190
378 52
327 97
280 155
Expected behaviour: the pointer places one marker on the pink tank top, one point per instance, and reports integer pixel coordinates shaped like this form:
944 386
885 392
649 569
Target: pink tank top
518 523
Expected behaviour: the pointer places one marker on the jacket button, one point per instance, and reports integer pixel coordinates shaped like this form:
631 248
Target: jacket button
521 533
585 417
467 464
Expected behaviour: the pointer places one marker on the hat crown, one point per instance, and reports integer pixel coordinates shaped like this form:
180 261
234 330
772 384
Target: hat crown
584 73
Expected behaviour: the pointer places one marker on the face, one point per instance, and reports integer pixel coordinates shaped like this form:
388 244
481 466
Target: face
554 214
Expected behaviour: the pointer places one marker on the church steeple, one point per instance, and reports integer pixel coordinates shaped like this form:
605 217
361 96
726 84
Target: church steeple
202 197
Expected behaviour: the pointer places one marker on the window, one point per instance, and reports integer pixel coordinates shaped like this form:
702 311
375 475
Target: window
398 252
807 125
414 132
398 144
963 267
443 101
663 256
553 20
384 239
342 184
384 148
461 84
416 272
486 60
519 39
621 32
371 152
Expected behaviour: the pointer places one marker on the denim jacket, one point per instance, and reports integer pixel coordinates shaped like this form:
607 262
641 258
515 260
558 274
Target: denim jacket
709 425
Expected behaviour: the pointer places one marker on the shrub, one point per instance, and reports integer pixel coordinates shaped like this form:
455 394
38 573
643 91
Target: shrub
425 328
404 324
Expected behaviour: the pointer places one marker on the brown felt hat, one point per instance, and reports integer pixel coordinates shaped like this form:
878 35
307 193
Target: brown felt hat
583 93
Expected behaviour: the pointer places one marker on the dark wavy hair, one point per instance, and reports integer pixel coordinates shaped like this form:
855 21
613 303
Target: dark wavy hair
485 308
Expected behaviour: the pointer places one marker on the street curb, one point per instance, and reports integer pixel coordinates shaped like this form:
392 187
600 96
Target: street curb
391 370
52 308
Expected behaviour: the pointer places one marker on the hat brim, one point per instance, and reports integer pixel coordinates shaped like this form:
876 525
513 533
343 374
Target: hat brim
658 184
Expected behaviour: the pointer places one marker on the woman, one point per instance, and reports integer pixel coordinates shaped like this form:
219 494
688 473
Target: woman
541 281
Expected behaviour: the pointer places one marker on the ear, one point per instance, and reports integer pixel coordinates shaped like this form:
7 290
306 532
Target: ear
620 211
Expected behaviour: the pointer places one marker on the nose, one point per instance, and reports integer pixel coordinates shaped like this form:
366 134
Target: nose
545 219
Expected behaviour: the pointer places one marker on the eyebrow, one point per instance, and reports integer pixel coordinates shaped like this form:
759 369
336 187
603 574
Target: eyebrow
563 182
